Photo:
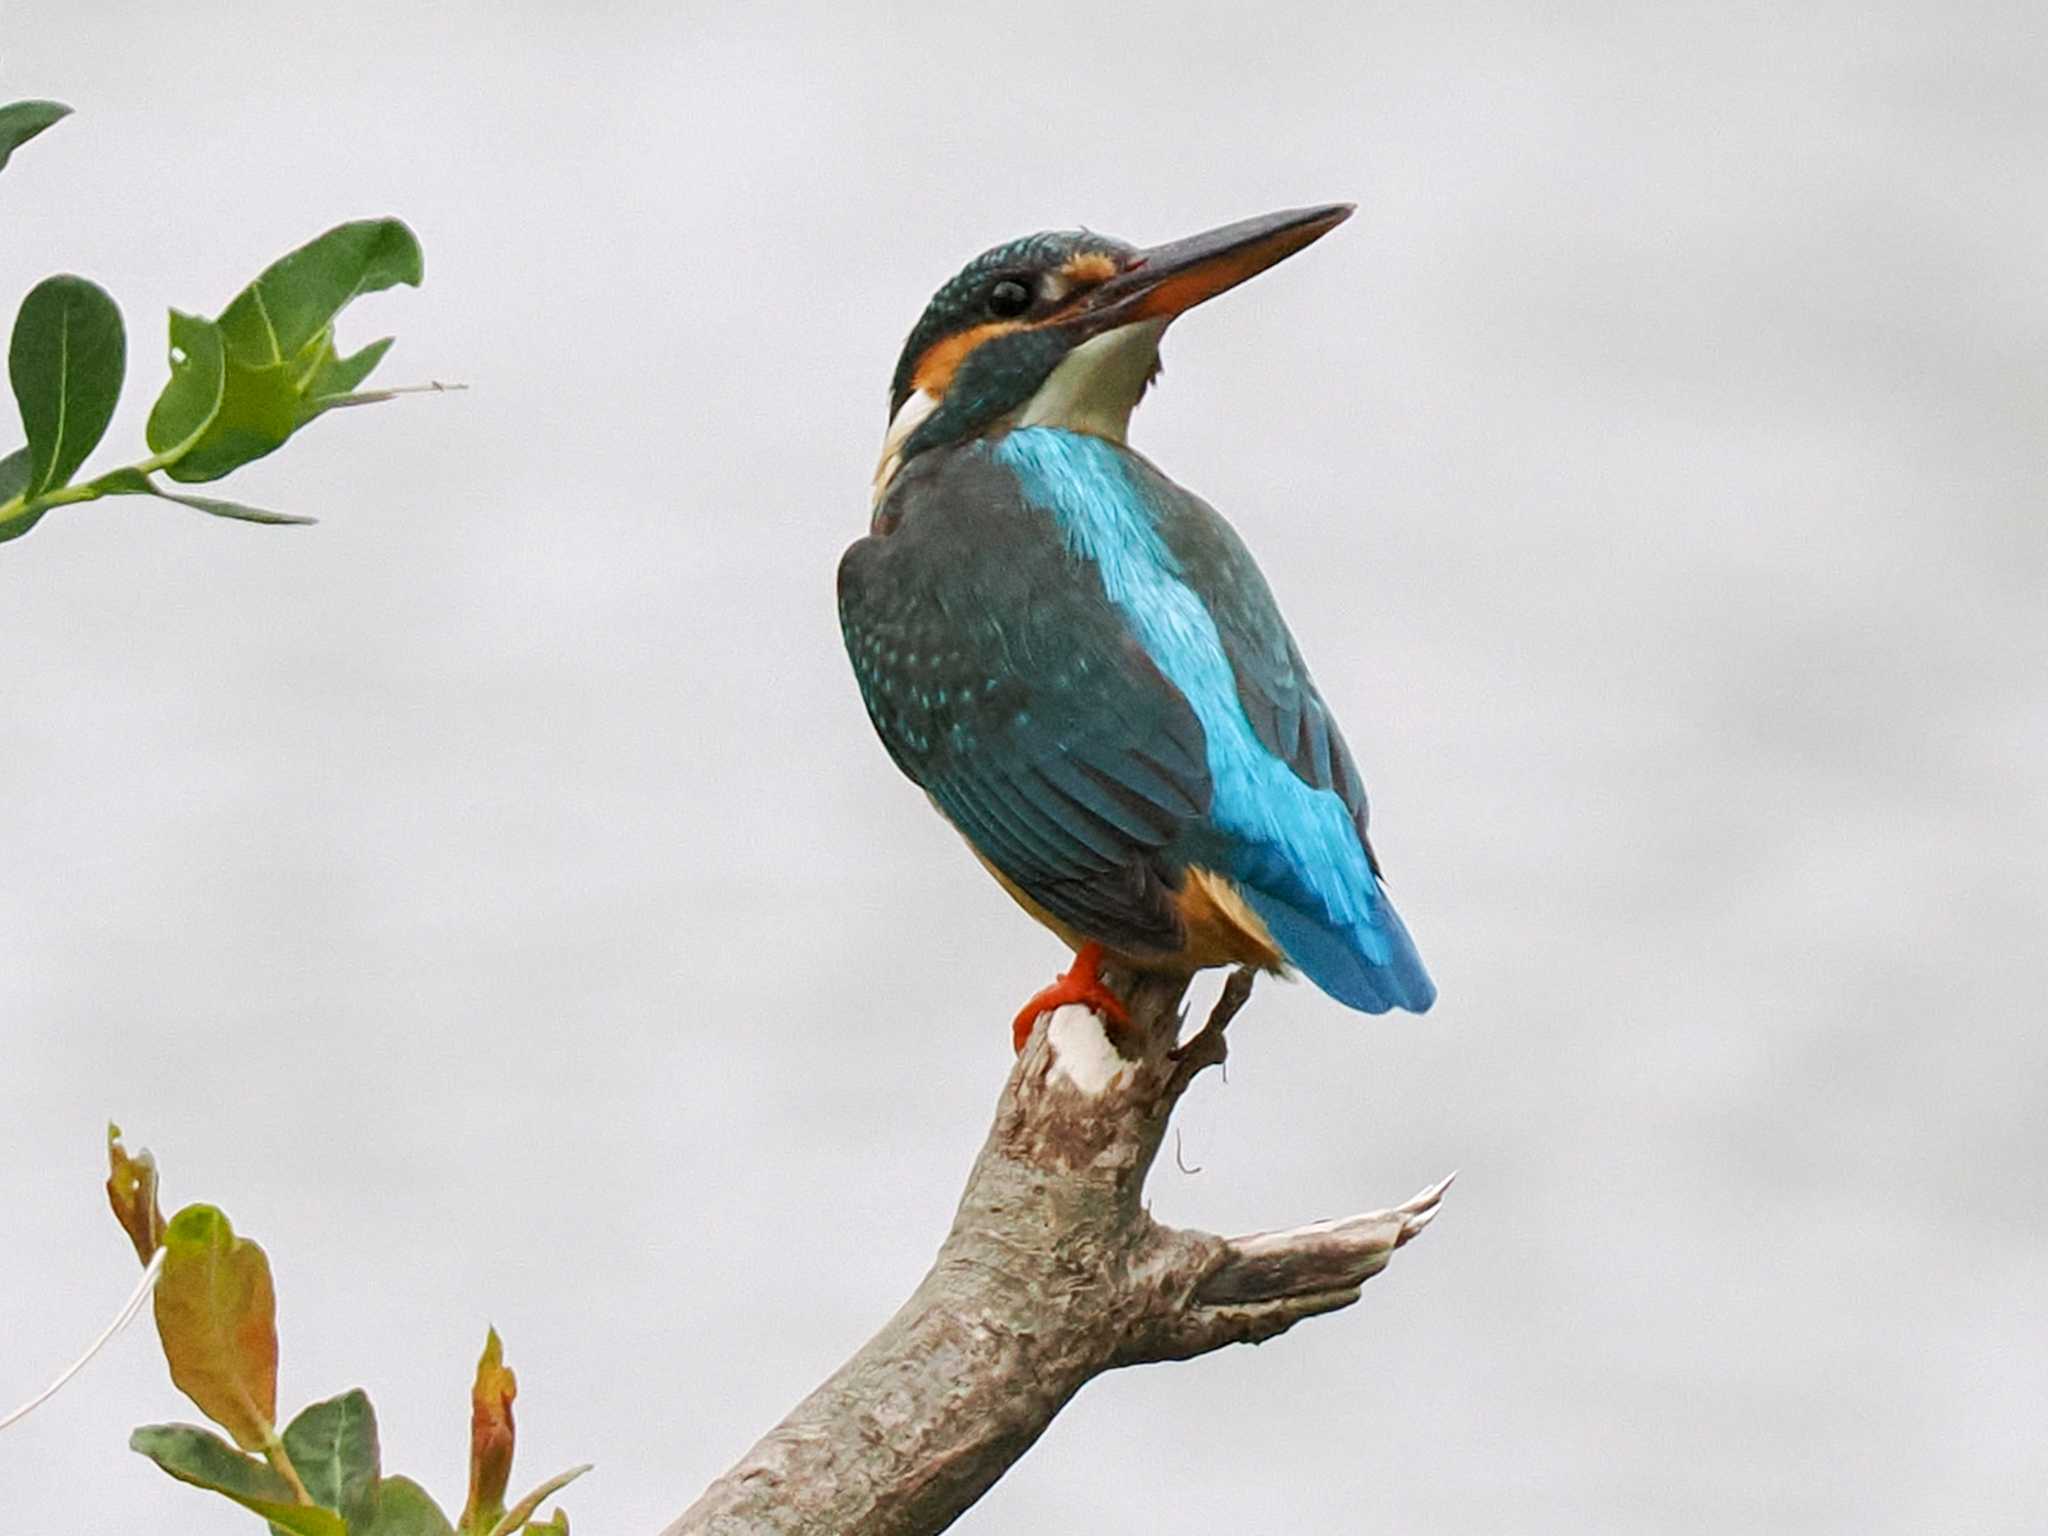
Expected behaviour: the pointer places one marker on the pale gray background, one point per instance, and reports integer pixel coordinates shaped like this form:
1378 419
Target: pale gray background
495 899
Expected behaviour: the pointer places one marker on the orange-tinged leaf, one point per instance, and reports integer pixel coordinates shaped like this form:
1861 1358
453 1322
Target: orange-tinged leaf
131 1191
217 1316
490 1438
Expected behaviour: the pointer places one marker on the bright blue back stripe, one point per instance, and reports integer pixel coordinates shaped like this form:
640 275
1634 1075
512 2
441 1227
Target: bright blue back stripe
1281 837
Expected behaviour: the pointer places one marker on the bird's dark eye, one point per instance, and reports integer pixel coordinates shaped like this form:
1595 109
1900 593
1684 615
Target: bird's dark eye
1008 298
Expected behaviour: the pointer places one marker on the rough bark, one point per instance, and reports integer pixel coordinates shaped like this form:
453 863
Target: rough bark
1053 1273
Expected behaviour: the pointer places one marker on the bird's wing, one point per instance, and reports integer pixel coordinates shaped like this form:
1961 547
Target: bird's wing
1300 853
1003 683
1274 687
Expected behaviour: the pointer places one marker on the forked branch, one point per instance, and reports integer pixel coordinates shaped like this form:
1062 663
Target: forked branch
1053 1273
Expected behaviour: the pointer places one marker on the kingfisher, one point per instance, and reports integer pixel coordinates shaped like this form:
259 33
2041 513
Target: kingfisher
1080 663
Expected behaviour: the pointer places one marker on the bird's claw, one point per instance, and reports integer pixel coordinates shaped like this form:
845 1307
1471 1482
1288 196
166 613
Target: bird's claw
1081 983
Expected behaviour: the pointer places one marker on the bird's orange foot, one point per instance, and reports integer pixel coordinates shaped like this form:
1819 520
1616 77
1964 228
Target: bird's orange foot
1081 983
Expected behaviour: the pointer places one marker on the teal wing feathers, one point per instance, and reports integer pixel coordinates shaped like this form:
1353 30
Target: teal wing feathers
1022 703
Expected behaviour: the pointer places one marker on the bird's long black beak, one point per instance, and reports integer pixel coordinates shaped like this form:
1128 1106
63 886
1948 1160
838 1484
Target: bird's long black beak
1168 279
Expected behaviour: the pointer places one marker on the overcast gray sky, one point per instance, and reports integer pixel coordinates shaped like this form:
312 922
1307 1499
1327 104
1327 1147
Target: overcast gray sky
495 899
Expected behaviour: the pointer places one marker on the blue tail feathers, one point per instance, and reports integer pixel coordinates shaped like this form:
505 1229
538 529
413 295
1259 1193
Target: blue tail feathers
1371 966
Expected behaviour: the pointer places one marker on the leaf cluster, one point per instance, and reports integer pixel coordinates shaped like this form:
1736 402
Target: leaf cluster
241 384
322 1474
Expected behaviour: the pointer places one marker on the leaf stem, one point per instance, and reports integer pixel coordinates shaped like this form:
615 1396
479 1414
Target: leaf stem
91 490
25 506
65 497
281 1462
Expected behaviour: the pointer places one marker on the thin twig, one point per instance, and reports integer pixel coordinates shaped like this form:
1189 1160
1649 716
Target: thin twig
121 1320
1208 1047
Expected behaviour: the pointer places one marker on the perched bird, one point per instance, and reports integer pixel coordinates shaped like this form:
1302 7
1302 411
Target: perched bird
1079 661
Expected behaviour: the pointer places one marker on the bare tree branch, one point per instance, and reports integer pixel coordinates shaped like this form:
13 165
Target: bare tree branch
1054 1272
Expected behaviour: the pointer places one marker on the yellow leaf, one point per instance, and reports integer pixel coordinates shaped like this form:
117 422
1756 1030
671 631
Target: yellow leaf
131 1191
217 1316
490 1438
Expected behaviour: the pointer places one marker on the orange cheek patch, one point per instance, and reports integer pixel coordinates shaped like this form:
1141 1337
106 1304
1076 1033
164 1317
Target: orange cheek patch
935 370
1089 268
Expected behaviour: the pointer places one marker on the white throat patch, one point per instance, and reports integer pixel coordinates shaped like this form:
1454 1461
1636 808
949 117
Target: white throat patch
1094 390
1098 384
909 417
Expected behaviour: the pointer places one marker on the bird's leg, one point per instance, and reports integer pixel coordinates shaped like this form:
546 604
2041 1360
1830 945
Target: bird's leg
1081 983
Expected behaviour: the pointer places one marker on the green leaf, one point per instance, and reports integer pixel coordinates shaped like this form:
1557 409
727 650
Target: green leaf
259 409
404 1508
556 1524
517 1516
201 1458
125 481
217 1316
333 1447
14 473
298 295
191 399
280 367
66 361
21 121
130 481
340 375
240 512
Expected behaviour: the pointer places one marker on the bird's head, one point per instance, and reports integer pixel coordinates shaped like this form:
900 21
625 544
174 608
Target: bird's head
1062 329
